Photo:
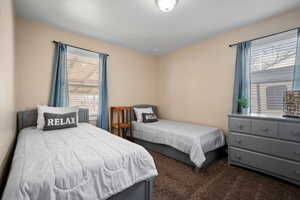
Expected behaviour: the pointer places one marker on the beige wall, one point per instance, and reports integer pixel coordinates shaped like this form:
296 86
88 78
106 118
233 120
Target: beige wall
7 104
192 84
196 82
131 75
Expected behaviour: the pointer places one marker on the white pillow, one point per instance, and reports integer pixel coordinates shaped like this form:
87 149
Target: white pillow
56 110
140 111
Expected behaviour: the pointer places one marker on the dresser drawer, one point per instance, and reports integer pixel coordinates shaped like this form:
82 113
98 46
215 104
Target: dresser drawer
283 149
289 131
240 125
267 163
264 128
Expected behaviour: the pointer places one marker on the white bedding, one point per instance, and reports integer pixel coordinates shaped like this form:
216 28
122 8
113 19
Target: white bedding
74 164
189 138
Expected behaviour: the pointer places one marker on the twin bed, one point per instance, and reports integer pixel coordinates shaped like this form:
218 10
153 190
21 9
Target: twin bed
192 144
78 163
86 162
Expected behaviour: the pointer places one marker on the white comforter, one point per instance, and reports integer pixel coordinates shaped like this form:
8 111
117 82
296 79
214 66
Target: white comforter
189 138
75 164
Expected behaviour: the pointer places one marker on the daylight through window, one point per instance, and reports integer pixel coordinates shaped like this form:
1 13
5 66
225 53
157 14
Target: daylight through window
83 76
272 71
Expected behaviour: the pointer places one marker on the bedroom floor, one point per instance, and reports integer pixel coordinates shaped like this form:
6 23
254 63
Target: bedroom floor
177 181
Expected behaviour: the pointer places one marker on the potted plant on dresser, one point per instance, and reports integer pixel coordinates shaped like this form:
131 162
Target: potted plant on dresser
243 102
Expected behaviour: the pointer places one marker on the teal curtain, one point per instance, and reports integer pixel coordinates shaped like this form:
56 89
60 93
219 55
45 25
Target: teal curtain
59 95
102 121
242 75
297 64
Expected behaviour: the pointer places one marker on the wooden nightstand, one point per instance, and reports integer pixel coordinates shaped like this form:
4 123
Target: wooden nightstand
120 120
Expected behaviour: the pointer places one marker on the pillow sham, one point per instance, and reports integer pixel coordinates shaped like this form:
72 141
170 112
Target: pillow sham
59 121
140 111
149 117
55 110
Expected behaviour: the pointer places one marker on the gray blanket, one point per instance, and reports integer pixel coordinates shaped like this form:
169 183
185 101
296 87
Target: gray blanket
74 164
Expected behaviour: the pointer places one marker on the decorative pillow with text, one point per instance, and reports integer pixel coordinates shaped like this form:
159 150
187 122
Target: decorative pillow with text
57 110
139 112
149 117
55 121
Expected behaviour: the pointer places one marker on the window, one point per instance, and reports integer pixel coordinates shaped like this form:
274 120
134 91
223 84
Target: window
83 77
275 95
272 72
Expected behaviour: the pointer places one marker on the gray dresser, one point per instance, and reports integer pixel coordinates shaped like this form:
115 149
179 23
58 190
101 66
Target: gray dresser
267 144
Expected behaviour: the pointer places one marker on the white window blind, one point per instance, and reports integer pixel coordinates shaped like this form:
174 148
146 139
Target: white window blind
272 72
83 77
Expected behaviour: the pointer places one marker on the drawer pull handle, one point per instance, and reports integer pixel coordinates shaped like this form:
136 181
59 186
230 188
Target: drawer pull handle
241 127
238 157
239 141
297 153
265 130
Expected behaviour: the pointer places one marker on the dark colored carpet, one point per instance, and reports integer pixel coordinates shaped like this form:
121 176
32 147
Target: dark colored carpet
177 181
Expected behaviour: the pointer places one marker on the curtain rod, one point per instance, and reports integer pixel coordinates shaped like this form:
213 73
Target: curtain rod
234 44
80 48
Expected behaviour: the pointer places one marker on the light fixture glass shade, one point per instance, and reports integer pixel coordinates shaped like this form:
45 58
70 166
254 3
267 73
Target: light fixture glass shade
166 5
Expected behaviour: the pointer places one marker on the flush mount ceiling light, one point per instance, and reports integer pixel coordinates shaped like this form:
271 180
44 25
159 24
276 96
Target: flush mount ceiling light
166 5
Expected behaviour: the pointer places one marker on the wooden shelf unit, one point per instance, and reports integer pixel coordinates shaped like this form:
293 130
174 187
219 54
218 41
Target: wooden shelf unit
120 120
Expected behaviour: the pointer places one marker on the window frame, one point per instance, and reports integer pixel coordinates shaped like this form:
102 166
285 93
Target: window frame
84 84
283 73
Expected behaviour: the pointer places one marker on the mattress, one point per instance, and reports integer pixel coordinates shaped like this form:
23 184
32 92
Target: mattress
76 163
189 138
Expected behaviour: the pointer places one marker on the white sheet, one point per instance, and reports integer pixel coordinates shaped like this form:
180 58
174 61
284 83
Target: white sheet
74 164
189 138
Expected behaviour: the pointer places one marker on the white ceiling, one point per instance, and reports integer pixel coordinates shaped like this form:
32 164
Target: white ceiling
141 26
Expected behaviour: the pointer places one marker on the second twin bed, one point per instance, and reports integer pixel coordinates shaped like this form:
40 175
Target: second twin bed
190 143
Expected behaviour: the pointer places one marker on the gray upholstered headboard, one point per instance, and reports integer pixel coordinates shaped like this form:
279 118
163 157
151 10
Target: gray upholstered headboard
29 117
154 108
